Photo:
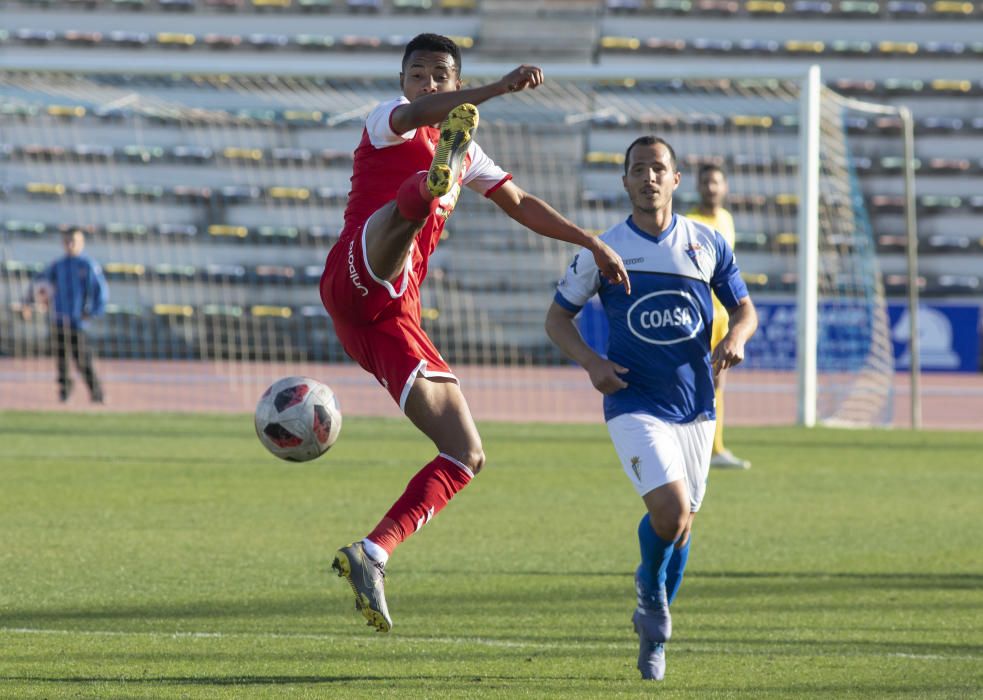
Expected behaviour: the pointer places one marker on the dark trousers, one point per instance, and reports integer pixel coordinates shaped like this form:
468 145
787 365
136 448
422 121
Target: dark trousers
68 341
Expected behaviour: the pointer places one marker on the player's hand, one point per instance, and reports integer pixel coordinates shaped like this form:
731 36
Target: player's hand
523 77
728 353
26 313
605 375
611 266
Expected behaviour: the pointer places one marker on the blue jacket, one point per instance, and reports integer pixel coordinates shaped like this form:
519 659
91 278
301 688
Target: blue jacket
80 289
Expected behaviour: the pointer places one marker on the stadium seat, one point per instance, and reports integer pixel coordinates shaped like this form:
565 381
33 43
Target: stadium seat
859 9
750 241
191 154
366 6
717 7
948 243
906 8
315 5
175 230
939 125
952 9
222 41
758 46
75 37
796 46
224 5
228 231
35 36
944 49
672 7
930 203
457 6
950 285
902 86
277 233
891 243
949 165
764 8
624 6
812 7
413 6
121 230
314 42
897 285
847 47
897 48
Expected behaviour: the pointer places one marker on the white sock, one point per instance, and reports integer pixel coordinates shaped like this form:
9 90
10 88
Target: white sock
375 551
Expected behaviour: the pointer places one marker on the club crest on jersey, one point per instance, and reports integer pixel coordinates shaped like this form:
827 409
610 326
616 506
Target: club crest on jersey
696 253
665 318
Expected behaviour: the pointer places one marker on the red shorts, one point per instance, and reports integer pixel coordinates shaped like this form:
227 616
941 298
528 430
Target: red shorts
378 323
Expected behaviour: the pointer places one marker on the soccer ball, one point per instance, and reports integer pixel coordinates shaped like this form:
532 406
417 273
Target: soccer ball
298 418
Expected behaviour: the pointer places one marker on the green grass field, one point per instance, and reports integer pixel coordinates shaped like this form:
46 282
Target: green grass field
153 556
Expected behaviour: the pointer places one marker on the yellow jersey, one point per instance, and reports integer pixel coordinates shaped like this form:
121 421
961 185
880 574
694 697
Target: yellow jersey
723 222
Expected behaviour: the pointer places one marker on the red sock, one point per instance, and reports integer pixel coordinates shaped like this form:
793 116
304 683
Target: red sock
425 496
413 199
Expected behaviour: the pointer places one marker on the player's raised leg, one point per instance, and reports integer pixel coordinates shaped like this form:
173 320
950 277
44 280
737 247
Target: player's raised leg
456 135
438 408
390 231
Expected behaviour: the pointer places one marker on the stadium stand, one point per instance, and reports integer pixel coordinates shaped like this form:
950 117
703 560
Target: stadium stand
228 193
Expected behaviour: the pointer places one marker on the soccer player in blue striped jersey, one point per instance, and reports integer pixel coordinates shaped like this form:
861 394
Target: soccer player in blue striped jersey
658 375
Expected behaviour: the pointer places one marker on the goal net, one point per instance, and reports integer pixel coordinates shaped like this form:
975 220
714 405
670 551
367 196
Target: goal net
212 200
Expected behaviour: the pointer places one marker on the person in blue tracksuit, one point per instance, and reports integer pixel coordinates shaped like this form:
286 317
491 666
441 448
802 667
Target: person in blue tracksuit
74 289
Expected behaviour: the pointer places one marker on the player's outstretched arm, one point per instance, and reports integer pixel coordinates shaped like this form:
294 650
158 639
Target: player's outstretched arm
604 374
540 217
743 324
432 109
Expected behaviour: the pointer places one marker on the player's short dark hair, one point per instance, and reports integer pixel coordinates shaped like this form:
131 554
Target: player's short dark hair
651 141
436 43
708 168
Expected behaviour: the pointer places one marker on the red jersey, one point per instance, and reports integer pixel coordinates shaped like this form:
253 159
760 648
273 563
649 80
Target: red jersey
378 320
384 159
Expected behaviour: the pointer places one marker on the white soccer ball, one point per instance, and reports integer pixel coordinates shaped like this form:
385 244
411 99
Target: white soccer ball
298 418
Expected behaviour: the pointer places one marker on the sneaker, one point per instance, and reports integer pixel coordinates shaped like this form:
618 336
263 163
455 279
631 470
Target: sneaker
366 577
652 615
727 460
456 134
651 658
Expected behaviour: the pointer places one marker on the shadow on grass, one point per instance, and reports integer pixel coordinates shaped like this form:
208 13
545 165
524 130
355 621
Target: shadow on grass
713 585
894 579
214 680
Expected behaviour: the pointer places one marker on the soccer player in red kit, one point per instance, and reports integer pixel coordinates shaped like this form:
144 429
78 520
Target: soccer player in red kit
407 176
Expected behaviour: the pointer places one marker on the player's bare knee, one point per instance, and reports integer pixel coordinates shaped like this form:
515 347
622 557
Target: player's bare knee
670 521
475 459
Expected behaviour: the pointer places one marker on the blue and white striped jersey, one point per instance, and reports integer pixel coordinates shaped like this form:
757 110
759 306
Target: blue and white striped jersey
661 333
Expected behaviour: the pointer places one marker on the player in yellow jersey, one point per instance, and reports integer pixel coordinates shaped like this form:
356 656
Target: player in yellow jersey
711 211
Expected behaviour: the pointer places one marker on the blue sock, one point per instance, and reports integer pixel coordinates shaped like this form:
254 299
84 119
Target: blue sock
674 572
656 553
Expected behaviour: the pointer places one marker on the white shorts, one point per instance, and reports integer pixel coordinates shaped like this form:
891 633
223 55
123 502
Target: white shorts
654 452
